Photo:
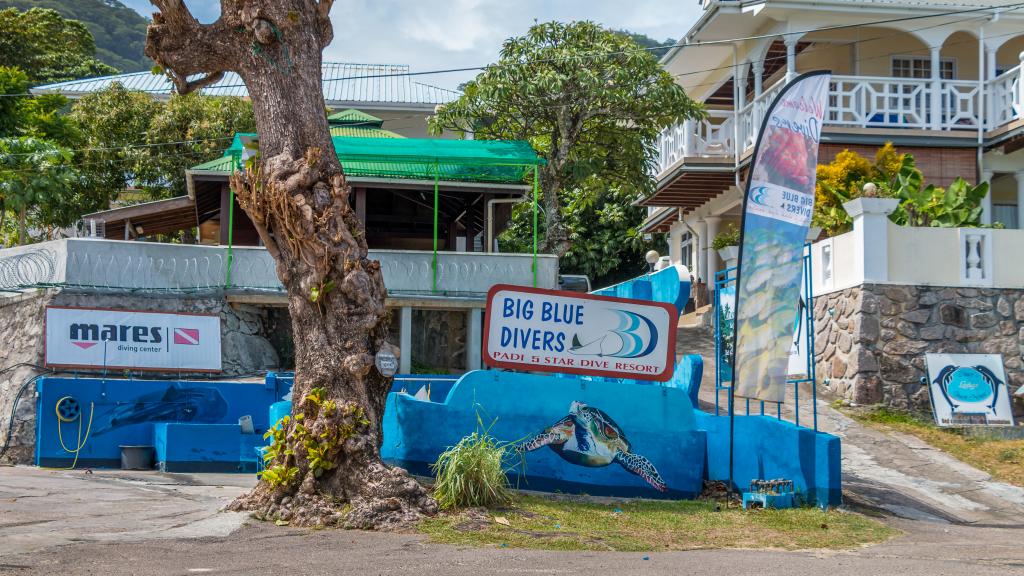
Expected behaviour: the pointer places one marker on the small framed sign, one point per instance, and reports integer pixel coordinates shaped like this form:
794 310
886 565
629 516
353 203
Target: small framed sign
572 333
968 390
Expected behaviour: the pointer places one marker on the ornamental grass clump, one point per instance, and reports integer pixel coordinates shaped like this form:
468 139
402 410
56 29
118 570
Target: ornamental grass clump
472 473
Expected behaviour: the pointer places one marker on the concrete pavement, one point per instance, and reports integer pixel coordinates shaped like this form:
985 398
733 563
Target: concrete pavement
893 472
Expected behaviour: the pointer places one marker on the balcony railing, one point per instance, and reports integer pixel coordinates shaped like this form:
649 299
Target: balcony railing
858 102
114 265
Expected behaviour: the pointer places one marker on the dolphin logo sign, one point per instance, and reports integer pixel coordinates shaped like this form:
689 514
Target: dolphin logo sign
634 336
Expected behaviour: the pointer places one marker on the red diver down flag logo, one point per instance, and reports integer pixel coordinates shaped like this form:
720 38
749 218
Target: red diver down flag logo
187 336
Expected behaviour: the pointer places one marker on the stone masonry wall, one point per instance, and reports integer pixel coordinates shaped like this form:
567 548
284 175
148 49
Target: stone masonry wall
870 341
246 334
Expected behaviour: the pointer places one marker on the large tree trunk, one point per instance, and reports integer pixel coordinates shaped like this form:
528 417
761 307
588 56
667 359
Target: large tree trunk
297 197
556 236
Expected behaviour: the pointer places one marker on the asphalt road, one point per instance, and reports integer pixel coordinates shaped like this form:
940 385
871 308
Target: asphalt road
927 550
123 523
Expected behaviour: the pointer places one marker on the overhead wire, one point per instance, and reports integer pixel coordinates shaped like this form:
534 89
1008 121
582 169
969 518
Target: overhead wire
994 8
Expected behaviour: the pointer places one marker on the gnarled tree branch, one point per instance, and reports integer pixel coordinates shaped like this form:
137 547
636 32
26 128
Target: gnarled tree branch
185 48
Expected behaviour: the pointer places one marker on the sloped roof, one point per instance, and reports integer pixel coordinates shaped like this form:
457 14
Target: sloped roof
353 116
345 85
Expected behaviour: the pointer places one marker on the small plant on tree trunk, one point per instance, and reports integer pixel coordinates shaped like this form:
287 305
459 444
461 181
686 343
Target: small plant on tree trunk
325 463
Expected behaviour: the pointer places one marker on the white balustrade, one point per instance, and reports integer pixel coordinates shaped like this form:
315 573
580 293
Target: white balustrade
866 102
154 267
1004 90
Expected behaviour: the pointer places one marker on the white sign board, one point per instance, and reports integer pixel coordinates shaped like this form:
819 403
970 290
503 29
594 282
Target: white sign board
573 333
128 339
968 389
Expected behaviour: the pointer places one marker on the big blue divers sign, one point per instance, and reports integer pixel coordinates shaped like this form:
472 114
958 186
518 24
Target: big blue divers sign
557 331
777 212
968 389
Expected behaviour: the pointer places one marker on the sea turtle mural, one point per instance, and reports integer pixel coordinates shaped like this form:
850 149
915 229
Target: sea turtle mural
589 437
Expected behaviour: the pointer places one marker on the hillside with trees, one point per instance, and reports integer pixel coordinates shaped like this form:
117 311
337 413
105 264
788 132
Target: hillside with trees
119 31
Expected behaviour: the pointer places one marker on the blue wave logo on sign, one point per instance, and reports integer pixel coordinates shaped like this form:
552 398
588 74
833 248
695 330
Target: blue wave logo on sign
757 195
626 340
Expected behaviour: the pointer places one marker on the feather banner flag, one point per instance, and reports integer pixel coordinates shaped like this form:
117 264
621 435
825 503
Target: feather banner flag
777 212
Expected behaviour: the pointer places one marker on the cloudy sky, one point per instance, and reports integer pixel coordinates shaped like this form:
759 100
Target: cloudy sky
439 34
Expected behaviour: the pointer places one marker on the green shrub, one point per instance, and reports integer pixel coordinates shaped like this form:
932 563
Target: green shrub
728 237
472 473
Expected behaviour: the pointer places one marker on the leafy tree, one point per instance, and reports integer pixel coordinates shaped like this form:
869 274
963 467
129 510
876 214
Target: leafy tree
12 81
119 31
113 122
589 99
201 127
48 47
323 466
35 177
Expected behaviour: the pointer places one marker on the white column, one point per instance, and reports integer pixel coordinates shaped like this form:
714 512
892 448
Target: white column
990 96
871 237
986 202
758 72
689 131
1020 198
405 340
790 57
741 84
1020 87
712 257
474 335
701 228
936 90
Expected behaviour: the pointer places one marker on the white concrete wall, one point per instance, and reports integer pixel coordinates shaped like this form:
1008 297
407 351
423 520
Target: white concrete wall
911 256
147 266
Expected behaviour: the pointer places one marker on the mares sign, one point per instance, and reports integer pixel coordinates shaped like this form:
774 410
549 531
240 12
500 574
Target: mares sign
128 339
557 331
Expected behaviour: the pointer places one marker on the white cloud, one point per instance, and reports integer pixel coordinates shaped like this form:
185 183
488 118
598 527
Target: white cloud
441 34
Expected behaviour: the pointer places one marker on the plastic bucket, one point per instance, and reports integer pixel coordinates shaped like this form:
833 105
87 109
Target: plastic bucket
136 457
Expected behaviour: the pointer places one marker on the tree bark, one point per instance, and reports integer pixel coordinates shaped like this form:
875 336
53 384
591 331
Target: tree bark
297 197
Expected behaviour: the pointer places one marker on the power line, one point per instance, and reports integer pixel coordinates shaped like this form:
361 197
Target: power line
995 8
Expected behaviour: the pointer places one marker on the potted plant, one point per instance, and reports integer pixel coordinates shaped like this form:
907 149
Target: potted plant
727 243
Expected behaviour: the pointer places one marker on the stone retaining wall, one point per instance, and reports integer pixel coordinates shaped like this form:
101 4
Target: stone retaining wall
870 341
246 349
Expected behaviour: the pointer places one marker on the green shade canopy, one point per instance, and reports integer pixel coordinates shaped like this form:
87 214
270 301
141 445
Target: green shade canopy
500 161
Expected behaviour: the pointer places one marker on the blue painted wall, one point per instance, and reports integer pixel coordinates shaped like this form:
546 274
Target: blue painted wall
194 427
662 286
517 406
126 411
768 448
204 448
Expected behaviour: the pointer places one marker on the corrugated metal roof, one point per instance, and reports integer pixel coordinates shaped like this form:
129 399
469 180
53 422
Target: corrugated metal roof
344 85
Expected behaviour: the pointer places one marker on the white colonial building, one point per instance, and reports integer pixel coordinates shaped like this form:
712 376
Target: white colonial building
938 79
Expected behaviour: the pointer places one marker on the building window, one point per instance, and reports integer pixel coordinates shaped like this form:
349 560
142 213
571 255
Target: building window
921 67
686 251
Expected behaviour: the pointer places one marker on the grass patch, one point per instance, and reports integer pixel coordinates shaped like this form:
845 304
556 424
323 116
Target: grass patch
1003 459
652 525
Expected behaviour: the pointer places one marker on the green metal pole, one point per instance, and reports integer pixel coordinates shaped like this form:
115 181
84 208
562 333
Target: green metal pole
536 193
231 226
436 199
